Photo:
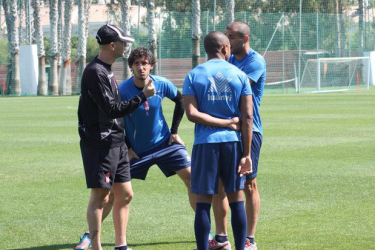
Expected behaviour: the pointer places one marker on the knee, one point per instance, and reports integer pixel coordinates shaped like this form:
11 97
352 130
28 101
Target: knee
250 186
124 199
99 199
185 175
111 197
129 197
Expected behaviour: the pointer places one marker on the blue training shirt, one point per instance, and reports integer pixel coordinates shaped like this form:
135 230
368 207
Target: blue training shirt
146 127
254 66
218 87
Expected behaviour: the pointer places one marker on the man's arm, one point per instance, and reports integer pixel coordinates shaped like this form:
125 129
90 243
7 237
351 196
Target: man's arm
102 95
246 107
194 115
178 113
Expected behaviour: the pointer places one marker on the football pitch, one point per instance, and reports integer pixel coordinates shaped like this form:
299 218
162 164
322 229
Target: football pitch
316 178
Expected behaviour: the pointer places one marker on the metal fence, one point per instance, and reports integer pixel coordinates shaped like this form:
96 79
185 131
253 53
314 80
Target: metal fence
286 40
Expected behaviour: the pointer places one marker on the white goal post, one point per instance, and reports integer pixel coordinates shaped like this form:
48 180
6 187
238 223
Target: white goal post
335 74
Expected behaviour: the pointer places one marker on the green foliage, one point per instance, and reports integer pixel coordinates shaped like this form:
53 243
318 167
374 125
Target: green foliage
269 6
177 27
4 52
46 49
92 48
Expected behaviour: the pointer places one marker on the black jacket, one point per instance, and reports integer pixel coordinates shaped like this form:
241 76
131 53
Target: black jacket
100 110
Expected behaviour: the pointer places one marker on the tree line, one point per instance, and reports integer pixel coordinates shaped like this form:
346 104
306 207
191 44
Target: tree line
58 47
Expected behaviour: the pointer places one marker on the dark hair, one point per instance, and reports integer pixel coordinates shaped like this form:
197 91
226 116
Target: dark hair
139 53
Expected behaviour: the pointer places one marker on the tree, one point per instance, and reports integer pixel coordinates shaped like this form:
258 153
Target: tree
42 80
83 18
229 13
342 29
11 19
53 82
152 37
196 32
65 86
125 7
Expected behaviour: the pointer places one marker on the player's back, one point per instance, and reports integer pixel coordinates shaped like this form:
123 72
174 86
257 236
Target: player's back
217 86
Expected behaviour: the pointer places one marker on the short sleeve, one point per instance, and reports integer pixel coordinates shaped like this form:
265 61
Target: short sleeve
188 88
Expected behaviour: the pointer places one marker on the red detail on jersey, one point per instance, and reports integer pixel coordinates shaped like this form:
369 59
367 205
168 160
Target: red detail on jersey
146 106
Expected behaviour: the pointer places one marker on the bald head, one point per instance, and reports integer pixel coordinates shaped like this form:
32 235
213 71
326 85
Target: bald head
241 28
214 43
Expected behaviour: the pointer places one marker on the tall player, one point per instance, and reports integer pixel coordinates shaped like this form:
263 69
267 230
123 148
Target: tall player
254 65
216 93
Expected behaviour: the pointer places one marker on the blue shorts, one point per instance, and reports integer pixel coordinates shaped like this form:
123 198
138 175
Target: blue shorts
256 144
168 158
212 161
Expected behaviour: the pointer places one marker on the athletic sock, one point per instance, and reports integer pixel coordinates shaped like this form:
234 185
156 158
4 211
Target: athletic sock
124 247
238 223
221 238
202 225
251 239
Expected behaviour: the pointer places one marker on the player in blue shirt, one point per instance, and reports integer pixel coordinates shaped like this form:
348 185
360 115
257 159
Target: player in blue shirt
254 65
148 137
216 96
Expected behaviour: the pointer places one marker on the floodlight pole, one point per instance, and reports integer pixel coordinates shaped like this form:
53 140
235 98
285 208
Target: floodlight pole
299 49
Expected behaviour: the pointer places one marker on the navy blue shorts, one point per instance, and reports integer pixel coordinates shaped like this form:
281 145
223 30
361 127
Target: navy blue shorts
212 161
103 167
256 144
168 158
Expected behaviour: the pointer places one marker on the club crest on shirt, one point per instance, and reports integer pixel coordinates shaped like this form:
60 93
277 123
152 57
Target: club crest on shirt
219 88
107 177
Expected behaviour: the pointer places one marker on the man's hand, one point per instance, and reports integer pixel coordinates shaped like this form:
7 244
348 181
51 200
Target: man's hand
132 155
234 123
246 166
175 138
149 89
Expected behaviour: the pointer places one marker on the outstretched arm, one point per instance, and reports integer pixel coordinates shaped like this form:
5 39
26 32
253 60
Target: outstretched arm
102 95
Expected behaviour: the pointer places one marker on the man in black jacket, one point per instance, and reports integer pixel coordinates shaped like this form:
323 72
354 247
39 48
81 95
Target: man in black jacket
104 153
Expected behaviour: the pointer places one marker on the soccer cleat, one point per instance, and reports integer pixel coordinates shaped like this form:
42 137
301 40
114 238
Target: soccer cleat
210 236
84 242
250 246
215 245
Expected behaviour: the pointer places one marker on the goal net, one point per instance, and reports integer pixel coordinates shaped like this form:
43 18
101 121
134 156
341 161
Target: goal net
335 74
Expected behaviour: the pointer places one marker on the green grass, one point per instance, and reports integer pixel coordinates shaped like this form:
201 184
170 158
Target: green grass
317 178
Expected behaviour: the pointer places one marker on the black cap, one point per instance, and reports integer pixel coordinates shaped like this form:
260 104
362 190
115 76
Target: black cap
111 33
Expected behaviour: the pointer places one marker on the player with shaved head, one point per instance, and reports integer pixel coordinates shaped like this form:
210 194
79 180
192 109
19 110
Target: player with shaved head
217 96
254 65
